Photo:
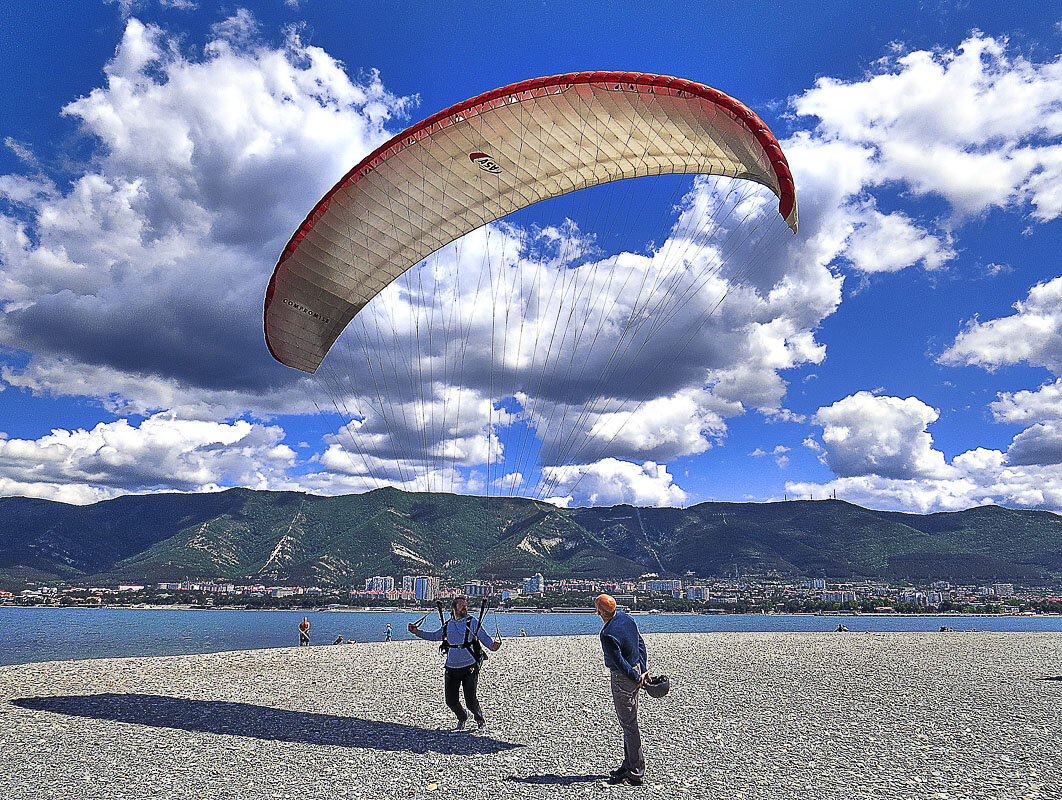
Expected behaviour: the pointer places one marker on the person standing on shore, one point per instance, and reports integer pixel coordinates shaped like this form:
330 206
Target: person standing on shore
304 632
625 657
460 636
387 633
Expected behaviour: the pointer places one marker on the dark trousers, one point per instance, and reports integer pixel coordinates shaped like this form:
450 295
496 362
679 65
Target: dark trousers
625 697
455 679
304 639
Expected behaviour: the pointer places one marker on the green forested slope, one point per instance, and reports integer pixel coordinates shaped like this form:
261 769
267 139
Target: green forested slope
295 538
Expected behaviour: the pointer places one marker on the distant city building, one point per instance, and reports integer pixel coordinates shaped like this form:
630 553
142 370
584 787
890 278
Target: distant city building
818 583
1003 589
380 584
409 583
130 587
219 588
874 589
915 597
535 584
663 585
839 597
578 586
366 595
697 592
426 588
476 589
626 600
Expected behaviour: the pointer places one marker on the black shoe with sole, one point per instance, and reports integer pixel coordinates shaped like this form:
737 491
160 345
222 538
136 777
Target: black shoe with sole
633 781
617 775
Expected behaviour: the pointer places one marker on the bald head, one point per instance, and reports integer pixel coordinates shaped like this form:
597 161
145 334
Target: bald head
606 606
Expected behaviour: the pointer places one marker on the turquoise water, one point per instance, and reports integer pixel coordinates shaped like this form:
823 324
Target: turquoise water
50 634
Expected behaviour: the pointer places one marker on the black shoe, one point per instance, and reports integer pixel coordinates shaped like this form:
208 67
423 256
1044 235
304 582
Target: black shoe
617 775
634 781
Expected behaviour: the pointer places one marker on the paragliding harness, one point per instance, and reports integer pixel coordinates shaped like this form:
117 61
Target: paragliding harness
473 645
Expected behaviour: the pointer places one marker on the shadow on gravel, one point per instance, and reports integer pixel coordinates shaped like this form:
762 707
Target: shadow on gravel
558 780
1051 678
262 722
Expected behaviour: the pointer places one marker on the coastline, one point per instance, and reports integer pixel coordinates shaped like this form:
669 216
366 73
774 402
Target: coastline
43 634
635 613
763 715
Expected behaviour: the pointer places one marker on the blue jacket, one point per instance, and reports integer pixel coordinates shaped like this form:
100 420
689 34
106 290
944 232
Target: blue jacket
623 646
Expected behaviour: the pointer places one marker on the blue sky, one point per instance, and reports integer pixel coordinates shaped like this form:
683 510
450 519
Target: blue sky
158 155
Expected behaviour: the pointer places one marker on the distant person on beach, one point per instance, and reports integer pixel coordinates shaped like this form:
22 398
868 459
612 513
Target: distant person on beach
842 629
523 632
387 633
461 638
304 632
625 657
339 639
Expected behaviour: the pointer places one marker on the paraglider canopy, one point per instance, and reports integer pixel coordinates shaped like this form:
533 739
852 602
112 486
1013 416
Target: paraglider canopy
487 157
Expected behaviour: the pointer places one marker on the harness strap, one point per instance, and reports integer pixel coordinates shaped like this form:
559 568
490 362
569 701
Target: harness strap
445 646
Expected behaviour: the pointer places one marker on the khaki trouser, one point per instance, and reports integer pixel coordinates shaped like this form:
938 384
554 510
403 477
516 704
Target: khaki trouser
625 697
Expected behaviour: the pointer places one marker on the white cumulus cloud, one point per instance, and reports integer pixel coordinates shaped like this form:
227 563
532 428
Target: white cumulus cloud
980 477
978 126
1027 406
1032 335
882 454
1039 444
866 434
891 242
152 262
612 482
162 453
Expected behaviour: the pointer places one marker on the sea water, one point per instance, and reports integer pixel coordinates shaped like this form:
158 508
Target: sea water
50 634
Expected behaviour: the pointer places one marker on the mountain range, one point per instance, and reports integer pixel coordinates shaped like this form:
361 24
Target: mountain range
294 538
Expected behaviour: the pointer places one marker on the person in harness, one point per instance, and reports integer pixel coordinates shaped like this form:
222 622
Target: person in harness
462 641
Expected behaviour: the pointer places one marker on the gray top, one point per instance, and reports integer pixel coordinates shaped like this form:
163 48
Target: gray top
458 657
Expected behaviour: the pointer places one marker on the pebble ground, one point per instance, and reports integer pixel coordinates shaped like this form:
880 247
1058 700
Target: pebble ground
751 715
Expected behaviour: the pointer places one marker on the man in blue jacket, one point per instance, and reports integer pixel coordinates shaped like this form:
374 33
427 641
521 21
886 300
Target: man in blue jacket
625 657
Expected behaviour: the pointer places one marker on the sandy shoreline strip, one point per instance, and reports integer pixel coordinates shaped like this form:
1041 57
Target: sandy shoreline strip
763 715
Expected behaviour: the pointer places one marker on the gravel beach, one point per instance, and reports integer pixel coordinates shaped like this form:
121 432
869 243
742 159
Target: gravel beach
750 715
